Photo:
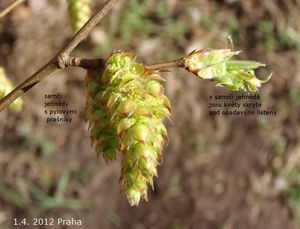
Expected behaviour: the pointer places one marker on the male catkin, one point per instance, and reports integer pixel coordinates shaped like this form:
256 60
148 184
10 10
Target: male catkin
80 12
125 108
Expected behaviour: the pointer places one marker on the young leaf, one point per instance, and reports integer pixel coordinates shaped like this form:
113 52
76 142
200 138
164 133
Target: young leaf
243 64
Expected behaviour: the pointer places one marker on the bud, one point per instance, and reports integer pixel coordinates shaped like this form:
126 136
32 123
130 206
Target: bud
215 64
6 87
126 114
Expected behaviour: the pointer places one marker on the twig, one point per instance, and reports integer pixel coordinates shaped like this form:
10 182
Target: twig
10 7
51 66
173 63
87 28
67 61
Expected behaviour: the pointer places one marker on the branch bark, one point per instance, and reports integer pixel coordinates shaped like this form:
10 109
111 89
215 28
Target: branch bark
51 66
173 63
87 28
10 7
69 61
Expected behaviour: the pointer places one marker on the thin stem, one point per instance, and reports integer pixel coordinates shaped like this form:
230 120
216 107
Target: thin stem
69 61
10 7
51 66
87 28
64 61
173 63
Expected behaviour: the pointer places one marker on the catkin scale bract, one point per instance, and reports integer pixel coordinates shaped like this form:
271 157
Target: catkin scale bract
126 107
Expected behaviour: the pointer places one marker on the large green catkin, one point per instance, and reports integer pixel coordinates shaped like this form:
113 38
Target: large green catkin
80 12
125 107
6 87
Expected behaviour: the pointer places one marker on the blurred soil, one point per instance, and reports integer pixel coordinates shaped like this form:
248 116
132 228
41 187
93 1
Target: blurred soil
217 171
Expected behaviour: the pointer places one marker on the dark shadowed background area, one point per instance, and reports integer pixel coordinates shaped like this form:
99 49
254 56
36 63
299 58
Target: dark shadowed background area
218 172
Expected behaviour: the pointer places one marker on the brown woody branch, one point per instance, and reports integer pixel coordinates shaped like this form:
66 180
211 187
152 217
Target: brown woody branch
10 7
51 66
63 60
173 63
87 28
69 61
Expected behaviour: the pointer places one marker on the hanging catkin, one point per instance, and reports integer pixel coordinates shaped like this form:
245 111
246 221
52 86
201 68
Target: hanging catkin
125 108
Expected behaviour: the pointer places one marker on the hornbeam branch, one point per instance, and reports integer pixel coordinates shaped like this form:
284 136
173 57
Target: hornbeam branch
51 66
173 63
69 61
10 7
65 61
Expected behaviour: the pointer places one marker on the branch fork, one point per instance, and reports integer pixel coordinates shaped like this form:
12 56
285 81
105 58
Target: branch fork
62 60
58 61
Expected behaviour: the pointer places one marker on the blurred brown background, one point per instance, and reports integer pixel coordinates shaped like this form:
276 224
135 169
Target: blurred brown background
218 172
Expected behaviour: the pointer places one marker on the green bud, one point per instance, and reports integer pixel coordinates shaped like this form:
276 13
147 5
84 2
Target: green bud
215 64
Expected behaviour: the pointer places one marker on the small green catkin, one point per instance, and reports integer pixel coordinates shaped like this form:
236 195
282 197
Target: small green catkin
80 12
126 106
6 87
